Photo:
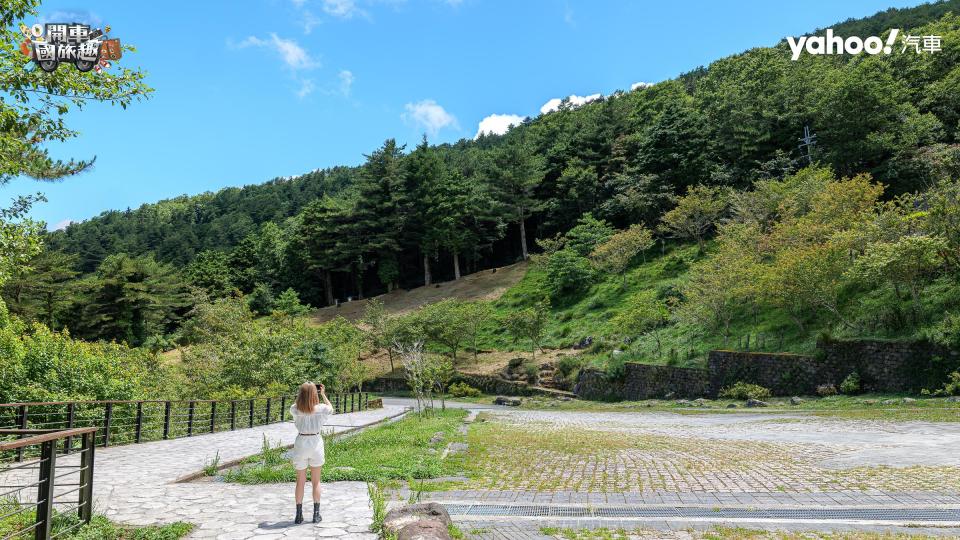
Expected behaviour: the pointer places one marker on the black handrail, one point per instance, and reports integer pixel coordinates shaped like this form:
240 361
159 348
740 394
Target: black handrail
48 521
119 422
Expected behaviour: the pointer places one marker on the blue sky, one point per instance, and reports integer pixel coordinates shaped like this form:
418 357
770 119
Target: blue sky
281 87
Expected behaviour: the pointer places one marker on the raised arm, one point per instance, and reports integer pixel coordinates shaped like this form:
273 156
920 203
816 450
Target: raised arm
323 396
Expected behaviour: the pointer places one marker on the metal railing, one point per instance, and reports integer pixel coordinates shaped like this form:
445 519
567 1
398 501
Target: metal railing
49 496
131 422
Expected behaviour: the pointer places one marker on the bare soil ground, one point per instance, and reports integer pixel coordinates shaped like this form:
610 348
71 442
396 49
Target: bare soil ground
486 363
483 285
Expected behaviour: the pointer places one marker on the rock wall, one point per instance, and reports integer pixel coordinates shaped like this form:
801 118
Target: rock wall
882 366
598 385
644 381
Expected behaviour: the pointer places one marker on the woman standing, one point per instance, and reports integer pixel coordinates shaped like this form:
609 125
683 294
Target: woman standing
309 415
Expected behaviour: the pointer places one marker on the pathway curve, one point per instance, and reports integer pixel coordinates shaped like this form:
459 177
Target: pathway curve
137 485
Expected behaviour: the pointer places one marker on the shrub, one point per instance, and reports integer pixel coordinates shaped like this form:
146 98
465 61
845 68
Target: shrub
851 385
951 387
825 390
462 389
742 390
570 365
567 271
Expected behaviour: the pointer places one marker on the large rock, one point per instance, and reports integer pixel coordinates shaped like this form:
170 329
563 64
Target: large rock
427 529
506 400
757 403
796 401
399 518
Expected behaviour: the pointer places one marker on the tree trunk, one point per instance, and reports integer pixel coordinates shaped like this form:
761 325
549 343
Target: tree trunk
456 265
427 278
359 286
328 287
523 236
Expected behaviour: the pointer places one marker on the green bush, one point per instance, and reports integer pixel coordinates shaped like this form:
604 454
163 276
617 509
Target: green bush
851 385
462 389
567 272
743 390
951 387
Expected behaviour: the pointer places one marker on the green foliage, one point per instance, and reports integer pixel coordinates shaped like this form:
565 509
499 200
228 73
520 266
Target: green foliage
743 390
567 271
261 300
851 384
131 298
462 389
529 324
951 387
288 303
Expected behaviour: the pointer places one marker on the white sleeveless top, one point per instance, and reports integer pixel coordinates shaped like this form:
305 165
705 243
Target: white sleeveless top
313 422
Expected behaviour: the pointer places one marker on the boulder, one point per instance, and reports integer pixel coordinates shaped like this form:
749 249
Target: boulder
506 400
669 395
756 403
888 402
908 400
795 400
437 437
732 406
399 518
953 399
584 343
683 402
427 529
700 402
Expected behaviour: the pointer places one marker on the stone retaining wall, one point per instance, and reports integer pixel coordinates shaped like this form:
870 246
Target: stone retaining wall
882 366
644 381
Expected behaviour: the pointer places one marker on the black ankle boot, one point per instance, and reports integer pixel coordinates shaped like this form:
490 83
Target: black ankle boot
299 519
316 513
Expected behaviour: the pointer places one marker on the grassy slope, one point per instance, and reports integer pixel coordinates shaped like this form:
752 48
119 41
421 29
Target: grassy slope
590 312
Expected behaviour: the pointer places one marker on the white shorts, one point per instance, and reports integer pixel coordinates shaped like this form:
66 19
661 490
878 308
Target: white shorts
307 452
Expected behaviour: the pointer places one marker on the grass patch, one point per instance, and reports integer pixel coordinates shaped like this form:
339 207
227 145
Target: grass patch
99 528
397 450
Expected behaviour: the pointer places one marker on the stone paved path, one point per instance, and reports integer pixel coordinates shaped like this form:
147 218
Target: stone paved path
137 485
593 459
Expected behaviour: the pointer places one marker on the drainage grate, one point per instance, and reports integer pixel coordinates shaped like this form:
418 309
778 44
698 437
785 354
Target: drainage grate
909 515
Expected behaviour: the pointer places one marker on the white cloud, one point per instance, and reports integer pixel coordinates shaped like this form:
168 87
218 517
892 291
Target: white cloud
568 17
306 88
498 124
636 85
61 225
346 81
345 9
308 21
293 55
298 3
573 100
429 115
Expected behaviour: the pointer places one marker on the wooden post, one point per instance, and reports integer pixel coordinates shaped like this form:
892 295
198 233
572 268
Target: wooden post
190 411
233 415
269 403
251 413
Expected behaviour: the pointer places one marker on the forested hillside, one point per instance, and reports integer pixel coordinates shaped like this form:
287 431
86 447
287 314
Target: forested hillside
410 216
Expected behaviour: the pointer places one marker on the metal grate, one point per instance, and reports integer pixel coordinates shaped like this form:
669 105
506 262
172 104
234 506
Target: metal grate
911 515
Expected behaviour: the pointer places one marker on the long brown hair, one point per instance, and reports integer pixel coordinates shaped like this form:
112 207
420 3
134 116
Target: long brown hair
307 397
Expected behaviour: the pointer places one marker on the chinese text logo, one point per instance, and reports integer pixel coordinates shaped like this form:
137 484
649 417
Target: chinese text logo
51 44
831 44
